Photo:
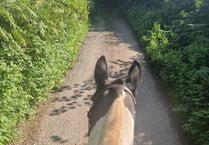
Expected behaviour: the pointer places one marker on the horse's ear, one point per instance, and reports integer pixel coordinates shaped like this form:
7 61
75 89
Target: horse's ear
134 75
100 73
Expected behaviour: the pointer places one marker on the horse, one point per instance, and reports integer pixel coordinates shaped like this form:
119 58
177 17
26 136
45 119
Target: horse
112 114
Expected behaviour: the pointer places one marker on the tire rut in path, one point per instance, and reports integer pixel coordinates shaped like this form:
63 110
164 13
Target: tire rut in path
63 119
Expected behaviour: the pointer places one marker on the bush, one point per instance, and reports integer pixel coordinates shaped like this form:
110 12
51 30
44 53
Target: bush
175 36
38 40
142 20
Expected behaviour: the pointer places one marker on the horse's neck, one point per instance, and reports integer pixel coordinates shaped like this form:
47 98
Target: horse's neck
115 128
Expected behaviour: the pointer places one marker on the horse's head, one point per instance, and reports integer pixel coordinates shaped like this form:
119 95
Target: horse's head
107 91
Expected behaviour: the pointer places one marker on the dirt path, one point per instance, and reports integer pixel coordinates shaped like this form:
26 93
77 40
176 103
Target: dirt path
63 121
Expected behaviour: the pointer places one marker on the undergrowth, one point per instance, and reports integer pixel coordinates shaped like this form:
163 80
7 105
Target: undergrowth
38 43
176 39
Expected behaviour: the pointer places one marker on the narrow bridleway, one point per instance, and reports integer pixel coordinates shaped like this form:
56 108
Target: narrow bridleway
63 121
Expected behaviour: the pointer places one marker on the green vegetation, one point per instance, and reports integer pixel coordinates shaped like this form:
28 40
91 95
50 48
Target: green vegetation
175 35
38 42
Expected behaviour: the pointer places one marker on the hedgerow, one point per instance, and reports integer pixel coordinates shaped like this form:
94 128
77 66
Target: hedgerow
38 43
176 39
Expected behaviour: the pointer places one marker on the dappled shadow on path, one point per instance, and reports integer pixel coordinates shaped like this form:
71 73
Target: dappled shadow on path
58 139
79 95
123 66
